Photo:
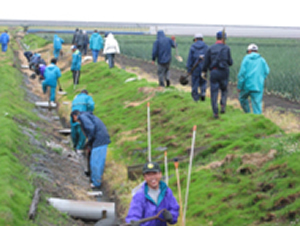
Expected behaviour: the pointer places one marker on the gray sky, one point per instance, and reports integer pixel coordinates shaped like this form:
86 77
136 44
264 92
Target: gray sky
218 12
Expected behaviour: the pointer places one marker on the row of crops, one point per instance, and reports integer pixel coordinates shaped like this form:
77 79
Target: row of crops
281 55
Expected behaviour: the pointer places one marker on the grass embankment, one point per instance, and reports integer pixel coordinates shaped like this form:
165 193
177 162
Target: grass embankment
16 181
34 42
250 187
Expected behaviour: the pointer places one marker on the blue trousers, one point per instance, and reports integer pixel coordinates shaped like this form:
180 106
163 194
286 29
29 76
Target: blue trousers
218 80
97 164
198 81
4 47
95 54
56 53
52 91
256 101
110 58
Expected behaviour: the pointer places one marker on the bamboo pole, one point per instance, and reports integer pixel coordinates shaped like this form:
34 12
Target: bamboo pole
176 164
166 168
149 132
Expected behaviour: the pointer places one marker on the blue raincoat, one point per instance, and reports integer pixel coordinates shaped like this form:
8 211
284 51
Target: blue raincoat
51 74
162 48
142 205
82 102
76 61
4 38
96 42
253 72
57 41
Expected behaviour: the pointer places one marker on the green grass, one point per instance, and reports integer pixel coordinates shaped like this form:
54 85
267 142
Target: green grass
224 195
34 42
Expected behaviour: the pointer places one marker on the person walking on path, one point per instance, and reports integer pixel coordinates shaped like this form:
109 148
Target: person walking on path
153 196
217 60
51 74
195 60
4 40
98 140
80 40
76 64
57 45
111 47
96 44
162 48
253 72
86 43
76 33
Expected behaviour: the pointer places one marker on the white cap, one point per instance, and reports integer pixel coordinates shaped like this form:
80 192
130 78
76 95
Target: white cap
73 47
252 47
198 35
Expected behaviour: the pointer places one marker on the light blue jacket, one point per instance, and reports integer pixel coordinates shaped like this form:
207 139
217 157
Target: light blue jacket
4 38
57 41
83 102
254 69
76 61
96 42
51 74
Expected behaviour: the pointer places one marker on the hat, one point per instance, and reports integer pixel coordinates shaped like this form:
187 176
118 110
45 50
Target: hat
220 35
73 47
252 47
151 167
198 35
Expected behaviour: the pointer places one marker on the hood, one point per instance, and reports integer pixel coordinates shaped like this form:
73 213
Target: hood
160 34
110 35
253 56
55 36
95 34
199 45
51 67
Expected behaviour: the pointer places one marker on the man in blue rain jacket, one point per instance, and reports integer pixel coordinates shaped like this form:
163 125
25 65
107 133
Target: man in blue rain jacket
195 61
51 74
253 72
98 139
57 45
76 64
96 44
162 48
4 40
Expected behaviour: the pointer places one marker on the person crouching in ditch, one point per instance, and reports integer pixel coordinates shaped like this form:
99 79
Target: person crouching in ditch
151 198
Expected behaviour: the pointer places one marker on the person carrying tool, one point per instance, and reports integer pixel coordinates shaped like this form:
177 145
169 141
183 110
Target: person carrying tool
76 64
195 61
81 102
162 52
253 72
51 74
153 196
57 45
111 47
4 40
98 140
217 60
96 44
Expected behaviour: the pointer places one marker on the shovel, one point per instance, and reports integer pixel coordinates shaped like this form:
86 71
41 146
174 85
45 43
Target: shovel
60 90
149 218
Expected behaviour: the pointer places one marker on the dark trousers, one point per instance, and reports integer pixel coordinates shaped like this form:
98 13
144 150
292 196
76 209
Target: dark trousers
110 58
218 80
76 75
198 82
163 71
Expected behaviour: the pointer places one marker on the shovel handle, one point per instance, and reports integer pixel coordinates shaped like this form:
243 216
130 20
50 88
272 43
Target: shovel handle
149 218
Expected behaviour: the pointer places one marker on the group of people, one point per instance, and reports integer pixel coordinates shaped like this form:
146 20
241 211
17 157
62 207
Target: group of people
216 59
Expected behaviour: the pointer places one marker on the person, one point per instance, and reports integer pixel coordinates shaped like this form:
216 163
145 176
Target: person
85 43
194 67
36 60
96 44
161 51
80 40
76 33
153 196
4 40
51 74
57 45
111 47
98 140
253 72
28 55
76 64
217 60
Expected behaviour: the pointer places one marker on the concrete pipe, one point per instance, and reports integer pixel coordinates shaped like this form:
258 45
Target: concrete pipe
89 210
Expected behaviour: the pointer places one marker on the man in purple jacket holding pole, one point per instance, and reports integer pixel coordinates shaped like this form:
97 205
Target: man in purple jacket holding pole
151 198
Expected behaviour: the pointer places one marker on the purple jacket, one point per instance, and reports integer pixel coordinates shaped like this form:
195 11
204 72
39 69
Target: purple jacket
142 206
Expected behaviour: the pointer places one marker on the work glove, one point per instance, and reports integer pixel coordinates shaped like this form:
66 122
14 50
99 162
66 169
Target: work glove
204 75
135 223
173 38
168 216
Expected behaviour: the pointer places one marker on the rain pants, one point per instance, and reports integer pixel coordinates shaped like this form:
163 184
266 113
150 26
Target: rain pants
143 206
51 74
82 102
98 138
253 72
4 40
96 44
197 49
57 45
